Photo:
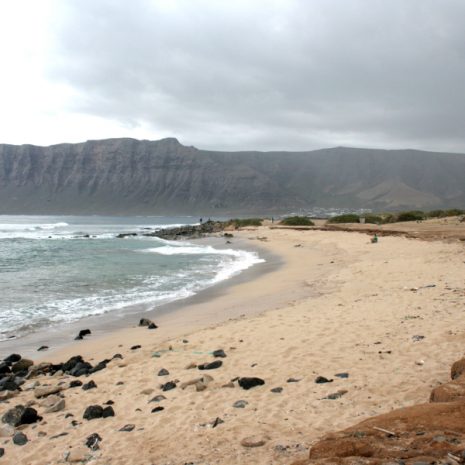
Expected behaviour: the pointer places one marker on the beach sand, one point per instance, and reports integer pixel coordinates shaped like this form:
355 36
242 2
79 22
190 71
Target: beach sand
389 314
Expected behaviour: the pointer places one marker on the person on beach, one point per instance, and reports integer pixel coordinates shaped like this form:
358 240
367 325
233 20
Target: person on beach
374 239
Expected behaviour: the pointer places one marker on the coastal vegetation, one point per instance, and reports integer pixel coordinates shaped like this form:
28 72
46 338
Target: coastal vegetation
297 221
245 222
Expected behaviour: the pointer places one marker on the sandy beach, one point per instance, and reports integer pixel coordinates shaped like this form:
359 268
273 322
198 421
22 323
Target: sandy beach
386 317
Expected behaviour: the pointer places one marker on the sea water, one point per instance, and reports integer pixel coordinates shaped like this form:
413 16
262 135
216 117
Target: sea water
56 269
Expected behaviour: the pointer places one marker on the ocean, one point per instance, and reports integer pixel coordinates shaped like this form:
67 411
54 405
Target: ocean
59 269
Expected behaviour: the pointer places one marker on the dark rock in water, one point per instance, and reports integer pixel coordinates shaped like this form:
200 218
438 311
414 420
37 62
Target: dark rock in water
92 412
2 451
129 427
21 365
108 412
20 415
13 358
136 347
163 372
144 322
83 333
19 439
123 235
90 385
168 386
152 326
277 390
211 365
342 375
322 379
41 348
75 383
158 398
293 380
157 409
249 383
92 441
219 353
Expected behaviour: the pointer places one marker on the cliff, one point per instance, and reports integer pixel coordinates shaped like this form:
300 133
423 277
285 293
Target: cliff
128 176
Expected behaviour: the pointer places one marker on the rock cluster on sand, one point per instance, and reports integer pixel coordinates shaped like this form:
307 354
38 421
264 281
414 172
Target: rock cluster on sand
430 433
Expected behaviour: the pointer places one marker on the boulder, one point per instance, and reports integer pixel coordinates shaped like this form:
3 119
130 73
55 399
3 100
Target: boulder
457 369
108 412
13 358
92 412
21 365
449 392
20 415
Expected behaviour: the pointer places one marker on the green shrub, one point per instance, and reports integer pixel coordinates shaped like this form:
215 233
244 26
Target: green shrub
348 218
297 221
454 212
373 219
244 222
415 215
435 214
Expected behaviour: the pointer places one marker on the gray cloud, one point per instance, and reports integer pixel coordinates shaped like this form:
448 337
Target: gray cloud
270 75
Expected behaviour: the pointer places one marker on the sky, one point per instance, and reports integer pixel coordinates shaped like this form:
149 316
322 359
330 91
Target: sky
235 74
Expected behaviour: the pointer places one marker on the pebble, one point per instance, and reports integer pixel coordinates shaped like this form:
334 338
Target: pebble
147 391
136 347
322 379
6 431
210 366
163 372
21 415
20 439
253 441
129 427
75 383
240 404
277 390
293 380
44 391
217 421
78 454
168 386
249 383
108 412
92 441
219 353
158 398
57 407
152 326
90 385
92 412
342 375
336 395
41 348
158 409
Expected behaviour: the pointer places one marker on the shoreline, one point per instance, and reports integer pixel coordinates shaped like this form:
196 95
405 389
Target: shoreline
61 336
388 316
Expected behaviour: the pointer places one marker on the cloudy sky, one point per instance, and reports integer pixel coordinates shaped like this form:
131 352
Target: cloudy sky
235 74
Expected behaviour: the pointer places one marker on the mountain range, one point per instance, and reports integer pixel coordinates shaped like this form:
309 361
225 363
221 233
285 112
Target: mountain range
129 176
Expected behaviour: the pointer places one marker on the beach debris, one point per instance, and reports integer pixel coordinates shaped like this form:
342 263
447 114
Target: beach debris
157 409
44 391
385 431
82 334
163 372
417 338
21 415
217 421
336 395
253 441
210 366
322 380
137 346
42 348
90 385
157 398
127 428
168 386
292 380
277 390
342 375
20 439
92 441
219 353
249 383
240 404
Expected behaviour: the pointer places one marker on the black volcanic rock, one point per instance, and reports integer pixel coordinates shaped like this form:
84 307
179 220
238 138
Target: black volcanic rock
130 176
249 383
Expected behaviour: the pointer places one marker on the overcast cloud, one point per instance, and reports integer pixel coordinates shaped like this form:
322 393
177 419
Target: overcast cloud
235 75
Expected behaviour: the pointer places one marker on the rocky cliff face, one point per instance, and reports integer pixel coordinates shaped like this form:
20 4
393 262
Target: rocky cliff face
127 176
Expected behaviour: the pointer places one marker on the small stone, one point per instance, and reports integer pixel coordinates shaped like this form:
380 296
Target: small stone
21 365
78 454
417 338
240 404
129 427
152 326
157 409
44 391
147 391
92 441
217 422
419 362
92 412
277 390
136 347
90 385
191 365
158 398
163 372
41 348
145 322
249 383
20 439
168 386
59 435
2 451
108 402
342 375
322 379
118 356
31 385
210 366
57 407
219 353
336 395
75 383
293 380
108 412
228 385
13 358
253 441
